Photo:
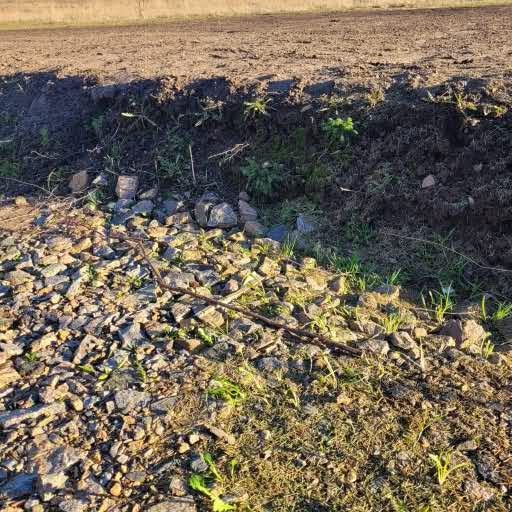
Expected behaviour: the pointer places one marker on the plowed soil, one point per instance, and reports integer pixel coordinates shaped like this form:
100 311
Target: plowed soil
447 43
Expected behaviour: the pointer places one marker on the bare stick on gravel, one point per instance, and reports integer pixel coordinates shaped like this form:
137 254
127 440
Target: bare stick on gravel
302 333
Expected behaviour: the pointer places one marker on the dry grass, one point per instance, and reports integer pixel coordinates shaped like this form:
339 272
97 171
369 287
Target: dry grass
31 13
356 435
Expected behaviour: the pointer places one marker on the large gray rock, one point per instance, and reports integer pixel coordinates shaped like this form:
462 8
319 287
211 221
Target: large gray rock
13 418
126 186
57 460
144 207
466 333
203 208
222 216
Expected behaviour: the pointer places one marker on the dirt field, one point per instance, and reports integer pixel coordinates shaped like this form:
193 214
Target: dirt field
356 45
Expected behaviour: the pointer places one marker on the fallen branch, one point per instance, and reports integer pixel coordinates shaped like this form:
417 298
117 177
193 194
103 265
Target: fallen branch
316 338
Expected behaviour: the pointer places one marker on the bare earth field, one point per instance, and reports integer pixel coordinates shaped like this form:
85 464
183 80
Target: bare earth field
355 45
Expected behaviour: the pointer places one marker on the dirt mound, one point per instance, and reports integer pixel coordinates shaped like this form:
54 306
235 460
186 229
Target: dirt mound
415 161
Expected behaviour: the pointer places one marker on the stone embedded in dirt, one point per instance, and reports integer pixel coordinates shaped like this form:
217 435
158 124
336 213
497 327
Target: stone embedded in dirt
85 347
281 86
268 267
53 269
391 291
428 181
211 316
59 244
198 464
49 484
101 180
204 206
169 206
375 346
278 233
20 201
247 212
271 364
305 224
79 182
479 492
366 326
254 228
338 284
177 504
468 446
57 460
177 219
178 486
189 344
402 340
466 333
144 207
320 88
8 375
8 350
131 335
220 434
126 186
420 332
18 277
74 505
149 194
222 216
164 405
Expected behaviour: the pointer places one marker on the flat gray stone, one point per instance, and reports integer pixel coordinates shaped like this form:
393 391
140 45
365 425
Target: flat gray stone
164 405
13 418
185 504
130 399
18 486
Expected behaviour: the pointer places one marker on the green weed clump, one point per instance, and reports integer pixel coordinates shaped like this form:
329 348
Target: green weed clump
263 179
439 302
227 391
443 466
255 108
339 130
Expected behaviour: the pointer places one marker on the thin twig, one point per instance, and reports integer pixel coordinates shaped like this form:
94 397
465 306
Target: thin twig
445 247
192 165
49 192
